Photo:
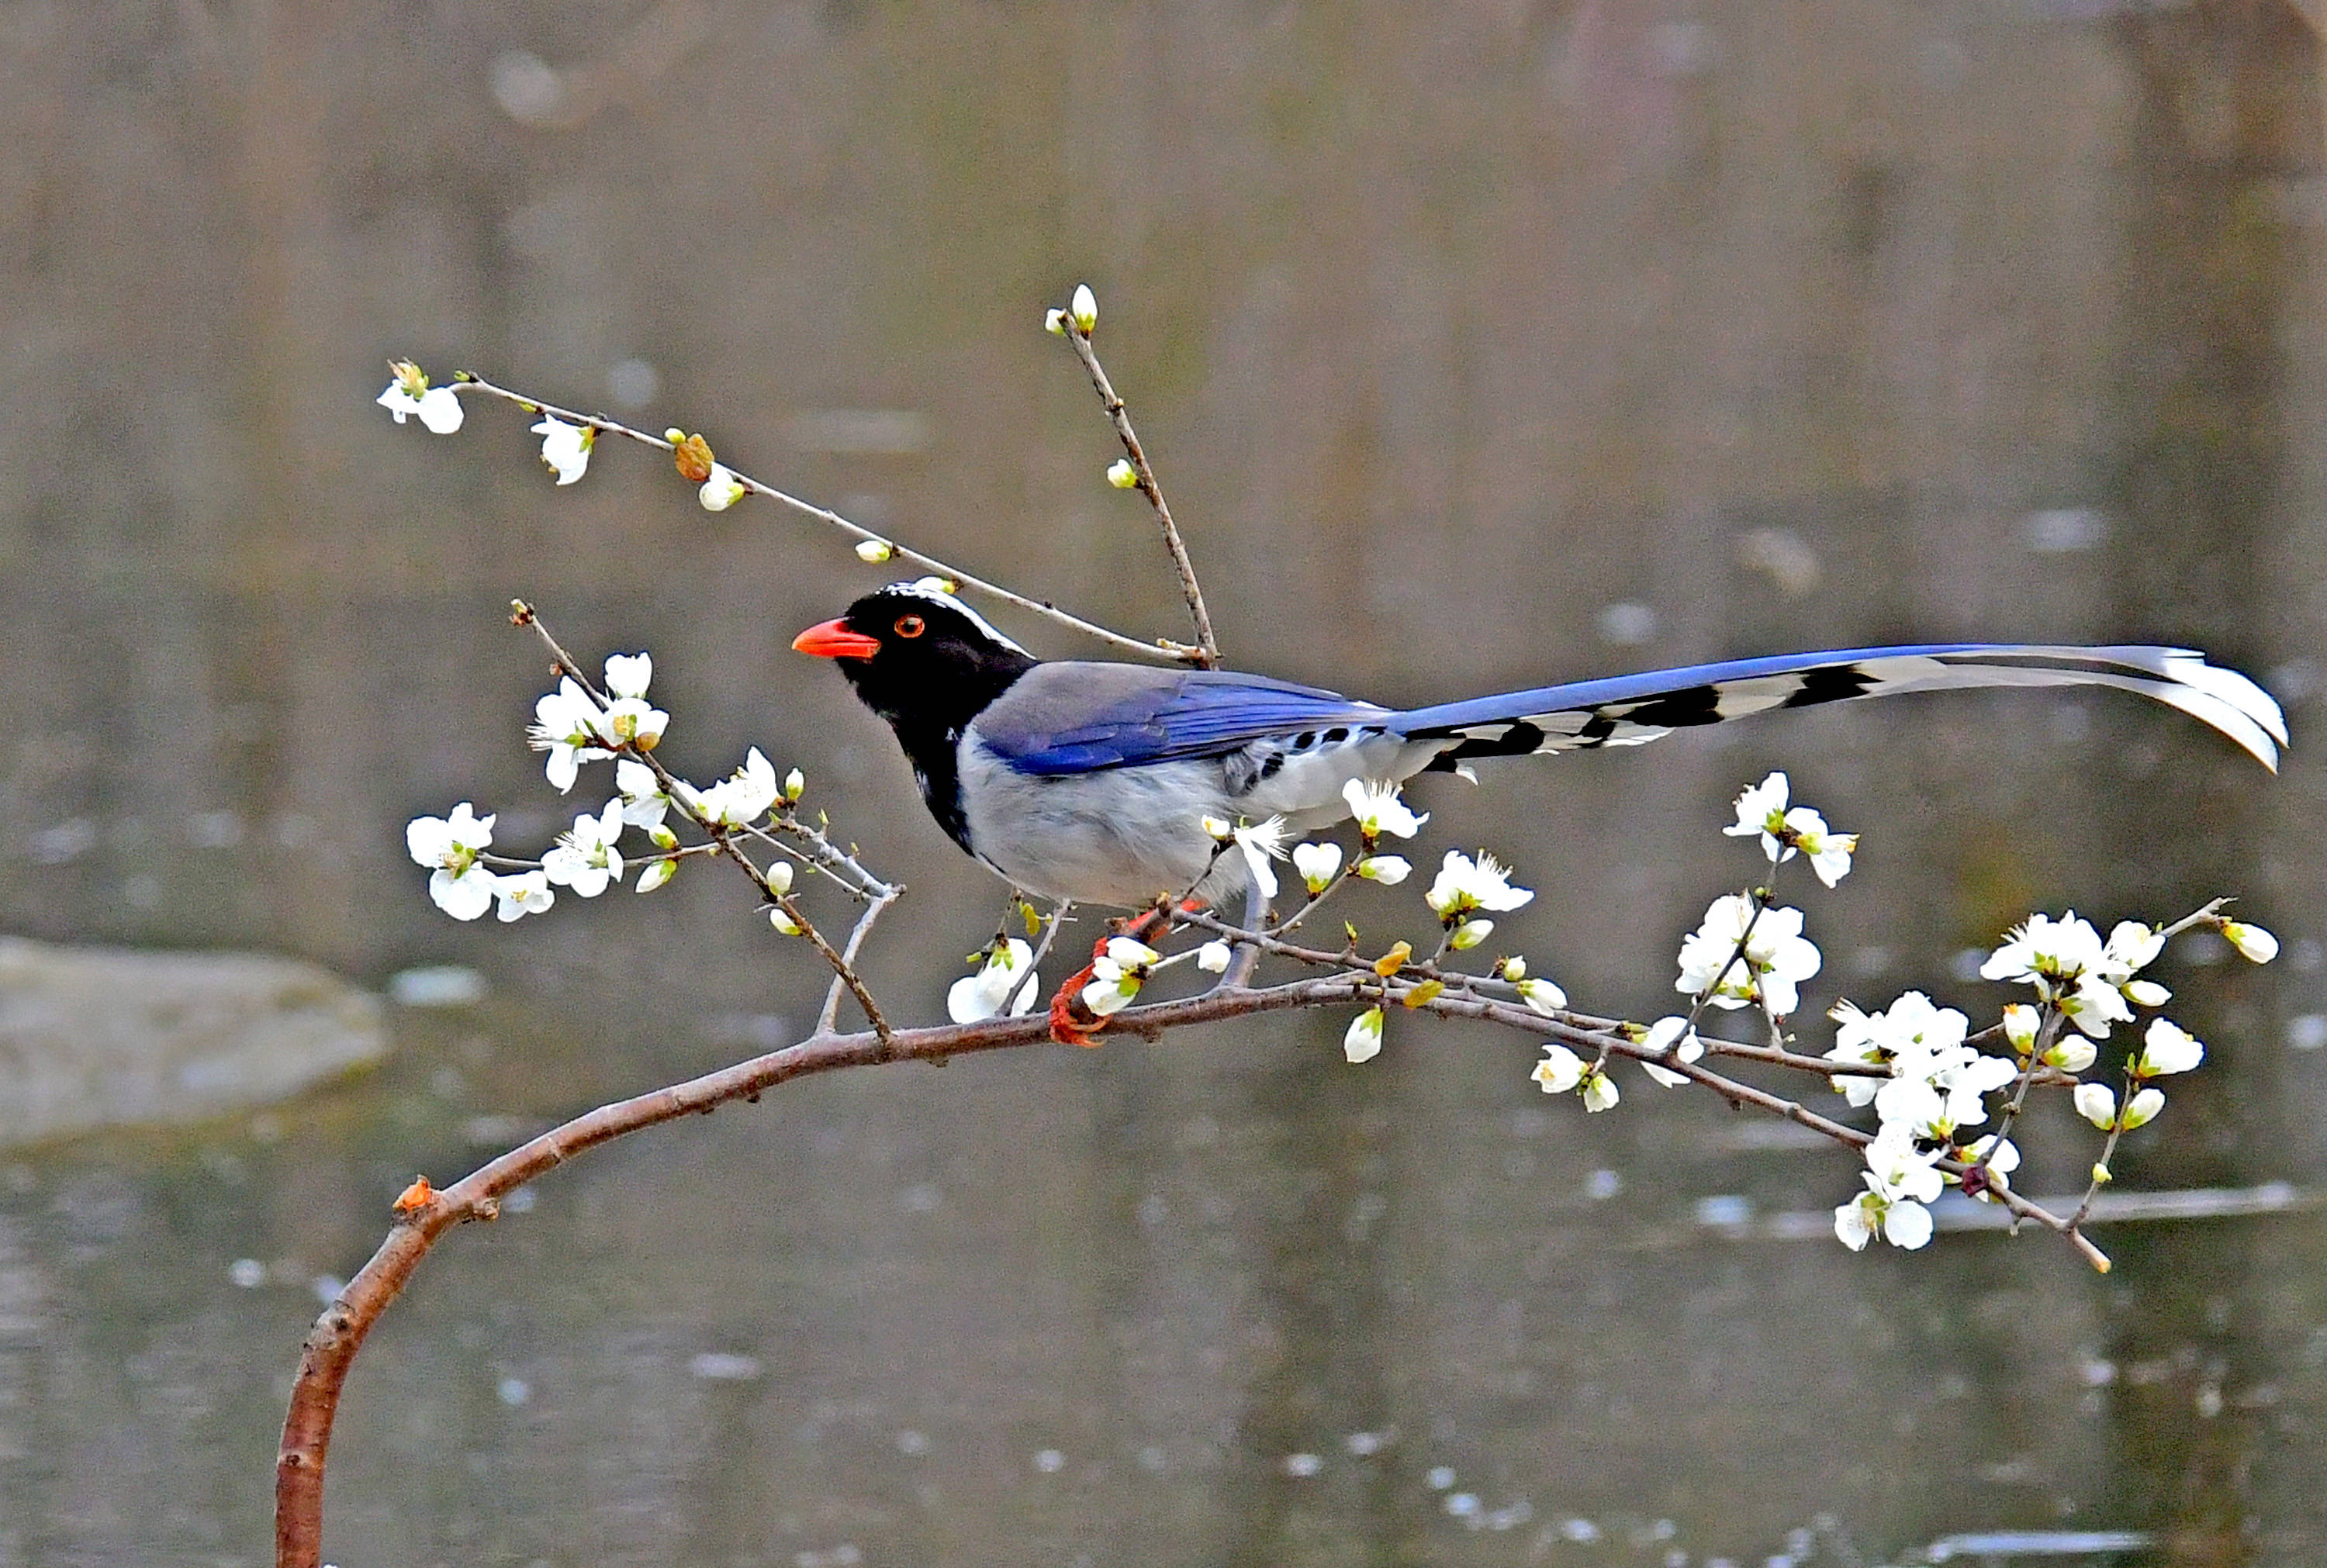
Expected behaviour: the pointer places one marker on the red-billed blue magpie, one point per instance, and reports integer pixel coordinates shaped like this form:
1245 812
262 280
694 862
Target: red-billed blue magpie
1090 781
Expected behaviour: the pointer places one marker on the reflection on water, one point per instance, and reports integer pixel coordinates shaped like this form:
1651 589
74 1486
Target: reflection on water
1476 344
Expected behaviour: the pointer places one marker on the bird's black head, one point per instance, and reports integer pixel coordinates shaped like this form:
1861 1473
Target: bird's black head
921 659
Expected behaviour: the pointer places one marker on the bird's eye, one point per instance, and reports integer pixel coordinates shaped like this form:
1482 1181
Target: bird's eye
910 626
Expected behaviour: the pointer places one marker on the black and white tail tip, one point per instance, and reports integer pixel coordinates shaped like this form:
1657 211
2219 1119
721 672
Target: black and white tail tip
1628 710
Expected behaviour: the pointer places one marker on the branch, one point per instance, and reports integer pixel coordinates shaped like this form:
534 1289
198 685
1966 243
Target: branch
1160 649
339 1333
1208 647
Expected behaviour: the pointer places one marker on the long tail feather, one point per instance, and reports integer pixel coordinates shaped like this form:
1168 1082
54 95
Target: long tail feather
1628 710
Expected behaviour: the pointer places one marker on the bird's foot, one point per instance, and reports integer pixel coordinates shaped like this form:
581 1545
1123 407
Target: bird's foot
1073 1023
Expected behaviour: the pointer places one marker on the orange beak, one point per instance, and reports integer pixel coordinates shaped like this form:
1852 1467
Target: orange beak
831 640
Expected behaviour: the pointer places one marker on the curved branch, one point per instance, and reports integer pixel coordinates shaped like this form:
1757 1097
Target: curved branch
1161 648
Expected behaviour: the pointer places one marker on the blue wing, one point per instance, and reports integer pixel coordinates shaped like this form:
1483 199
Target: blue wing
1076 717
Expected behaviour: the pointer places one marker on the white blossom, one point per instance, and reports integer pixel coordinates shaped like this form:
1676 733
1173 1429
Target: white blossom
458 881
644 801
2143 1109
565 448
1317 863
1542 996
2131 946
2094 1006
570 726
1464 884
439 408
1116 975
525 893
1363 1039
1599 1090
1379 810
2167 1048
2096 1103
627 674
585 857
1006 980
1261 842
1674 1035
1999 1157
1213 958
2255 943
2051 955
1762 809
1560 1070
741 798
721 491
1776 958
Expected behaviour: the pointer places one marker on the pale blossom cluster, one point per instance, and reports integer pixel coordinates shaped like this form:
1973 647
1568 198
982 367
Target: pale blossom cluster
1118 974
1939 1085
1747 951
1006 982
573 728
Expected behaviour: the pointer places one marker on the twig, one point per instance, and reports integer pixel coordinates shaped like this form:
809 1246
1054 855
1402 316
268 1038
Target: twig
1208 647
1161 647
828 1018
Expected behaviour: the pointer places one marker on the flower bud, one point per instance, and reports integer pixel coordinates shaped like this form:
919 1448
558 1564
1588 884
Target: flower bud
1390 869
795 784
1513 968
1212 957
721 488
1363 1041
2256 945
2143 1109
655 874
1599 1089
2167 1048
2097 1104
1542 996
783 922
1318 864
1083 309
1054 322
1470 934
2073 1054
1107 996
780 876
2020 1021
873 552
1122 475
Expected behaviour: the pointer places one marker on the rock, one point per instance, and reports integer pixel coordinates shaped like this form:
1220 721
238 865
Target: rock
98 1037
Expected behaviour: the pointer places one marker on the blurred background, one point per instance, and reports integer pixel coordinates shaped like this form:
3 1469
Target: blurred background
1479 344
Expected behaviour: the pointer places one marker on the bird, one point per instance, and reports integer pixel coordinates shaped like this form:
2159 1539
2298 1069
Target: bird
1091 781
